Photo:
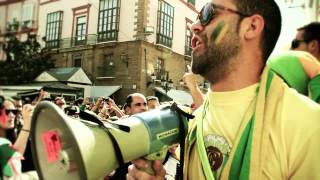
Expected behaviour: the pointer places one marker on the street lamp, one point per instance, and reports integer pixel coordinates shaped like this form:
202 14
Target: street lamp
166 83
153 77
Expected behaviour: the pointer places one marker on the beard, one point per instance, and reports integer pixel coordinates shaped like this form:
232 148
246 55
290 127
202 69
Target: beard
215 63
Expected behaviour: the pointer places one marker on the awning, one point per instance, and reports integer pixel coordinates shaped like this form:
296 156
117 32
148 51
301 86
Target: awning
179 96
105 91
14 90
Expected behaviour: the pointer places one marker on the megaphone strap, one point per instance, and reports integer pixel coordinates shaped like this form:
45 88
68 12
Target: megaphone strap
92 117
88 116
175 107
116 147
119 126
182 136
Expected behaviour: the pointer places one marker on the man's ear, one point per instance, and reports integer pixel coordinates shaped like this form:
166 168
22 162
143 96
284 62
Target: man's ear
253 26
314 46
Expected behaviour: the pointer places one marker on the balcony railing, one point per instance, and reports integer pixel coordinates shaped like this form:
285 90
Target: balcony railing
88 39
105 72
160 74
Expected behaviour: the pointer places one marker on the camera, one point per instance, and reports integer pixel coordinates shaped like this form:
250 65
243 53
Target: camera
106 99
71 110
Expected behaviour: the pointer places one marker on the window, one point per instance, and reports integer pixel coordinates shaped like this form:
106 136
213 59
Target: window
81 30
188 46
107 68
192 2
77 62
165 24
108 25
54 26
27 15
160 70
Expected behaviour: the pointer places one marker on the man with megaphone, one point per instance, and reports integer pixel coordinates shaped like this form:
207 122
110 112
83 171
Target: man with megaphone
251 124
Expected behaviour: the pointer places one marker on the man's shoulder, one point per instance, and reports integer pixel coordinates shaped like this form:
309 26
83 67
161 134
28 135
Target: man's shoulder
296 101
297 111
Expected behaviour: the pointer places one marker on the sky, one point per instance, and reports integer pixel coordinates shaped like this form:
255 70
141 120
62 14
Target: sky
293 17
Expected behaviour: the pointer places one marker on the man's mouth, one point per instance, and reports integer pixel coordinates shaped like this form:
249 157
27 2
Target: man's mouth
196 42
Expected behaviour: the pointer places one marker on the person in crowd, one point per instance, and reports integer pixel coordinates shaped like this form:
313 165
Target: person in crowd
136 103
251 124
152 102
308 39
18 104
78 102
300 70
27 162
191 81
108 109
60 102
125 109
12 154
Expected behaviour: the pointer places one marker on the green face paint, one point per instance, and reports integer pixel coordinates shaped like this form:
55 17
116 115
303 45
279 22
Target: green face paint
216 32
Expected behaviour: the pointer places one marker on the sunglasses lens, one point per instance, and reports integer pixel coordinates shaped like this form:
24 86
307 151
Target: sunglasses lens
294 44
14 111
206 14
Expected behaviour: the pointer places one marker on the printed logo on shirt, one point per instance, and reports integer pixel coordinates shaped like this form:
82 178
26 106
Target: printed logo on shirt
218 151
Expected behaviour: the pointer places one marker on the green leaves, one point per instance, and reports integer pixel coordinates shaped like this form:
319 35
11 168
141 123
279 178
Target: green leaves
25 60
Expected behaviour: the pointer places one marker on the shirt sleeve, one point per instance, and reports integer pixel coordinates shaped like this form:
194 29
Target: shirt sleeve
10 160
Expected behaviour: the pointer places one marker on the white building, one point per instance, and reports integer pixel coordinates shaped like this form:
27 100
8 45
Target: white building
121 42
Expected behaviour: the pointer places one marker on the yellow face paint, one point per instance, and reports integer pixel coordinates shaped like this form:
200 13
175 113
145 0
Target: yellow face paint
219 32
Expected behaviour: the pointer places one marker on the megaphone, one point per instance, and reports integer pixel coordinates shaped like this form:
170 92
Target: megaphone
68 148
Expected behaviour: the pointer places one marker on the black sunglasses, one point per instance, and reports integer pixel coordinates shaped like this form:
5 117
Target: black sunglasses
208 12
296 43
14 111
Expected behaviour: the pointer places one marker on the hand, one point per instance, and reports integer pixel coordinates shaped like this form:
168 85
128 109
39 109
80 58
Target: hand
111 102
99 101
190 79
86 101
27 111
135 172
310 64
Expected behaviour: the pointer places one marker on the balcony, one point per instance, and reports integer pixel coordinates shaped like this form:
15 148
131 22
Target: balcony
88 39
105 72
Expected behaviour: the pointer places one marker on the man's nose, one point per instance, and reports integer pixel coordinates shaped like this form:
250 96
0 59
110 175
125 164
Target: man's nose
197 27
143 108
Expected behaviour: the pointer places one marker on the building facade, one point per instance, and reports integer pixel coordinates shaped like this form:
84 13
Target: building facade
19 17
121 42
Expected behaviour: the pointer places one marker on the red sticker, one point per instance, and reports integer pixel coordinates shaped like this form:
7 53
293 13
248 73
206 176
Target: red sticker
52 143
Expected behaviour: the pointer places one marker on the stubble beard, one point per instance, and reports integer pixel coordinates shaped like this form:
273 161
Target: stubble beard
216 62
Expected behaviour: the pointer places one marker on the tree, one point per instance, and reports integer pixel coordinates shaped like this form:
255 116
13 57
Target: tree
25 60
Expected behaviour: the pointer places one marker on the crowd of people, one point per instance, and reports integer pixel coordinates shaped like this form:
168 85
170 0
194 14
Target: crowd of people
252 123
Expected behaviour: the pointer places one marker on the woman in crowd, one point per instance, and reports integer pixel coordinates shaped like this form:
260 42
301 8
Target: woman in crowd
12 154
